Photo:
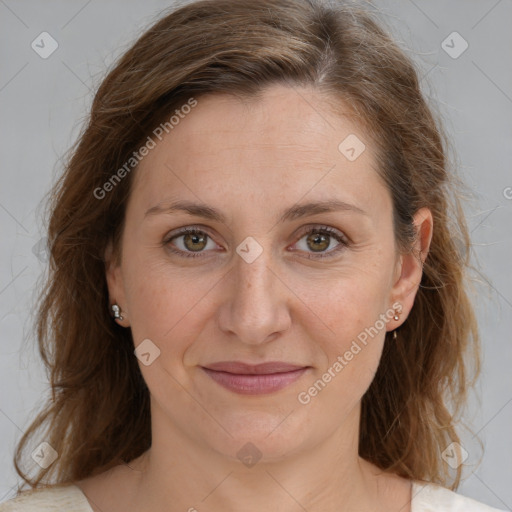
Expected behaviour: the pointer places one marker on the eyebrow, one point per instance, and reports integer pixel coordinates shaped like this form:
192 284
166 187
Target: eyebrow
293 213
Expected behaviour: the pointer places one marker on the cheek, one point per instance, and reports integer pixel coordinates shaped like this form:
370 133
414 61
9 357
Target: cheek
163 312
166 307
347 303
150 296
350 357
356 313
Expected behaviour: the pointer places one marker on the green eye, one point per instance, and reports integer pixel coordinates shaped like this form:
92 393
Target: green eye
319 239
193 242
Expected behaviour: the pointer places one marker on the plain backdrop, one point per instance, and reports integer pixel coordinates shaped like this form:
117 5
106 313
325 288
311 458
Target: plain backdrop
43 102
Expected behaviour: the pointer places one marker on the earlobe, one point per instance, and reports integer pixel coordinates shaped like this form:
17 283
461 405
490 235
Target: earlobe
115 287
410 265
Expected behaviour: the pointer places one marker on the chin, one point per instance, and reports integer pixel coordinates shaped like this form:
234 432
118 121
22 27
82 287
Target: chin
263 435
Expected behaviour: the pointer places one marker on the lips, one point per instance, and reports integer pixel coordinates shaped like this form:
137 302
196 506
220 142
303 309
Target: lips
246 379
256 369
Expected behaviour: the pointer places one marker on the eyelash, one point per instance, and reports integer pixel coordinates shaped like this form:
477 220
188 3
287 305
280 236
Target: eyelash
343 242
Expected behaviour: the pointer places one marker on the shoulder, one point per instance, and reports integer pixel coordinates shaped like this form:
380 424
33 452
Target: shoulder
427 497
64 498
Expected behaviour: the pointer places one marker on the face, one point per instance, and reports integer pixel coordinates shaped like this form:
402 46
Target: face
267 278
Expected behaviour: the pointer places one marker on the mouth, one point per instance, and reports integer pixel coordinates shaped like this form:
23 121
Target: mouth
257 379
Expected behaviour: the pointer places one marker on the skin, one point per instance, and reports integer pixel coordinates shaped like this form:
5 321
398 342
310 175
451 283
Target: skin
252 160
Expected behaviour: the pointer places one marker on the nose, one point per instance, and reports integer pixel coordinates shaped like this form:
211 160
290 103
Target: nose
255 309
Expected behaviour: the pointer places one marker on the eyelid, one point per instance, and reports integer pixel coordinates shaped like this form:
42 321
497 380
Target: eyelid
186 229
321 227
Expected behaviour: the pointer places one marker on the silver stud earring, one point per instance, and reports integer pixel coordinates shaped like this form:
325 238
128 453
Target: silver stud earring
116 310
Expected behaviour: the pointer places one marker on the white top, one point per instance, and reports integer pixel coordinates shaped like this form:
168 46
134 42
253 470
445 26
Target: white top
70 498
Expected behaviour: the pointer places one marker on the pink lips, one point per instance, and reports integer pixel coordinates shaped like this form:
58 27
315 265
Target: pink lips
254 379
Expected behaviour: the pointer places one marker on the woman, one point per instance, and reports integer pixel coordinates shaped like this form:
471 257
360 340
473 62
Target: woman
256 297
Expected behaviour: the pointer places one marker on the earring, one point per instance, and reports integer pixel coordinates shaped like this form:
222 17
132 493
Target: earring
116 310
396 317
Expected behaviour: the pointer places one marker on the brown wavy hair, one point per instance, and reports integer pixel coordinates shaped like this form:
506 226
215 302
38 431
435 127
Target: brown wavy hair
98 415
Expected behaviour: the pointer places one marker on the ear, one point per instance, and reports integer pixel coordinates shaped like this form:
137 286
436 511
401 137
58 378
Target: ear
409 268
115 284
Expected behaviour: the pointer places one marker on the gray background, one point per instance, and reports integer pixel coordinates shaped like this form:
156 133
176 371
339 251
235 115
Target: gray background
43 102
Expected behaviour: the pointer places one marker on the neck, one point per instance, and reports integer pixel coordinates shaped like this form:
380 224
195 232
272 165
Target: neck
189 475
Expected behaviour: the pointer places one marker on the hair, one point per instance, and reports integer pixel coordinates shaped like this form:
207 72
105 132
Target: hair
98 415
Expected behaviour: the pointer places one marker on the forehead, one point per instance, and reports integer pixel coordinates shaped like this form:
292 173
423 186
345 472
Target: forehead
280 119
284 142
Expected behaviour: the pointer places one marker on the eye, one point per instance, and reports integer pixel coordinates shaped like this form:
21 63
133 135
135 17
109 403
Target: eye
319 239
191 242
